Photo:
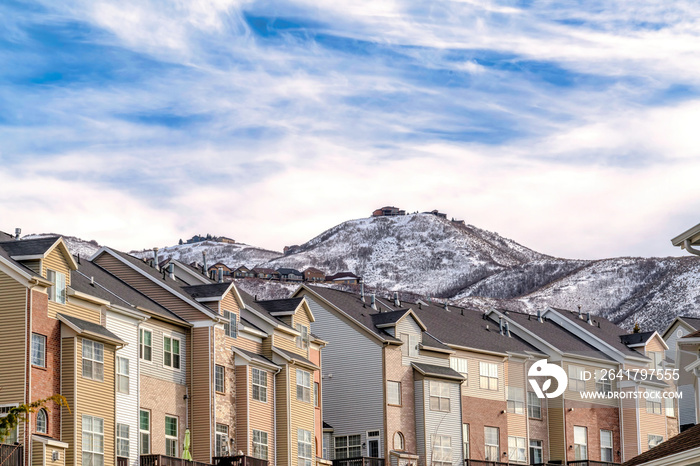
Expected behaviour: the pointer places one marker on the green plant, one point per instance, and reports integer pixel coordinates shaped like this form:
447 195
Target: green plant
18 414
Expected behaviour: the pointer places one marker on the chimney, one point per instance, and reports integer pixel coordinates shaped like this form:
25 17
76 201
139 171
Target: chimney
205 269
171 270
588 318
18 231
374 301
397 303
155 258
539 316
362 291
221 274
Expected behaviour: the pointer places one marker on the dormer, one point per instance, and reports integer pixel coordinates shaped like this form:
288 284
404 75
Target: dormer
650 344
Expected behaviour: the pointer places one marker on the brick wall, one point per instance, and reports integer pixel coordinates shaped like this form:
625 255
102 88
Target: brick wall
594 417
400 418
160 398
538 430
479 413
225 403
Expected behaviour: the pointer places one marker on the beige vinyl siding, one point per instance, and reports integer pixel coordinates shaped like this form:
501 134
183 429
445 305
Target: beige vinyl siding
202 380
283 428
68 382
146 286
303 414
229 303
517 423
249 345
654 424
49 460
629 427
267 345
590 384
97 398
557 441
261 414
77 308
288 342
35 266
472 388
56 262
13 349
38 454
243 441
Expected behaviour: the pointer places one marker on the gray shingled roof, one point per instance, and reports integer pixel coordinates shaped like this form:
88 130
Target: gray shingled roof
5 236
280 305
287 271
29 247
636 338
294 356
252 304
17 264
692 321
211 290
158 274
383 318
429 341
444 372
91 327
247 323
255 356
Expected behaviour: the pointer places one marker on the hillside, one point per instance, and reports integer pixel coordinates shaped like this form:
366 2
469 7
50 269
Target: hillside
233 255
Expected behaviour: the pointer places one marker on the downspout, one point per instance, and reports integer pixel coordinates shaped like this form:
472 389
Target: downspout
690 249
637 415
274 411
384 404
28 371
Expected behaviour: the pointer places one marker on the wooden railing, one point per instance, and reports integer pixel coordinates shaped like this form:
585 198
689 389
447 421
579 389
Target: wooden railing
11 455
359 461
162 460
591 463
240 460
484 463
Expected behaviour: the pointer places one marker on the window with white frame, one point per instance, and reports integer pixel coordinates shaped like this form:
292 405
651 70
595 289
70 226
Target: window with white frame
656 359
461 365
410 344
653 402
654 440
393 393
57 291
442 450
491 445
303 386
670 408
488 376
606 445
259 385
576 382
304 451
221 446
219 376
536 456
602 382
399 441
171 352
145 344
317 396
465 441
42 421
122 375
348 446
93 441
516 400
171 440
439 396
145 432
123 440
230 324
580 443
534 406
38 350
259 444
93 360
517 451
13 434
303 337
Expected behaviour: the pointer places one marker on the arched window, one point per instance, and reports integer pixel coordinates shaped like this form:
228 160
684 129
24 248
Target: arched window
41 421
399 443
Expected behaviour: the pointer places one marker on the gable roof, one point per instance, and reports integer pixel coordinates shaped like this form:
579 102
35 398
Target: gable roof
264 270
89 328
287 271
341 275
641 338
291 356
443 372
692 321
251 304
6 236
685 441
38 248
211 290
280 306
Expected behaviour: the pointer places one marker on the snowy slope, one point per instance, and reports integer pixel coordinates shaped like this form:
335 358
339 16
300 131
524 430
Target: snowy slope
232 255
75 245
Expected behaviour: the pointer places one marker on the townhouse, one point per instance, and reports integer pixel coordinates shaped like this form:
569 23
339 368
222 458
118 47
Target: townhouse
680 327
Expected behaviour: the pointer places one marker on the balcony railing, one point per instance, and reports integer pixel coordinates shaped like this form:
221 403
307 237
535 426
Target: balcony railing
484 463
162 460
359 461
239 460
11 455
591 463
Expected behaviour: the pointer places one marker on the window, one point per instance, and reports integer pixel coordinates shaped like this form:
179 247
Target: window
41 421
580 443
231 324
602 385
536 456
516 400
303 338
38 350
222 440
488 376
576 382
122 375
670 408
259 444
123 440
348 447
461 365
171 436
373 444
145 432
517 451
654 440
491 444
410 345
171 352
93 360
13 435
534 406
304 447
439 396
259 385
606 445
465 441
57 291
393 393
317 398
219 384
656 358
303 386
442 450
93 441
653 402
399 441
145 348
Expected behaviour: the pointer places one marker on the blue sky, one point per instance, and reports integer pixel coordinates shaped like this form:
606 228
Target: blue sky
570 127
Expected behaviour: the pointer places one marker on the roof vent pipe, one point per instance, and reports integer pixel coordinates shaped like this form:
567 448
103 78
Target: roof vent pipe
221 274
155 258
18 231
588 318
362 291
205 269
374 301
397 303
500 325
506 329
171 270
445 305
539 316
580 316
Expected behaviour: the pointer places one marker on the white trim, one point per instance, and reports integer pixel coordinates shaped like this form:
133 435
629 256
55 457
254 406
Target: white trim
30 257
71 292
49 441
167 334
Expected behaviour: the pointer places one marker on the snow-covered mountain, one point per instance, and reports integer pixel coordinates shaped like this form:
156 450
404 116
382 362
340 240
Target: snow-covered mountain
76 246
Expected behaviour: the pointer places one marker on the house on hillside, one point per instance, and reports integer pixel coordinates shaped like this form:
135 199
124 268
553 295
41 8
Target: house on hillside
343 278
224 239
266 273
388 211
290 275
215 269
243 272
436 213
312 274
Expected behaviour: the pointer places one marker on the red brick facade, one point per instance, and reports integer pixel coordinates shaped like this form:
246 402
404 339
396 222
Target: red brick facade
595 418
480 413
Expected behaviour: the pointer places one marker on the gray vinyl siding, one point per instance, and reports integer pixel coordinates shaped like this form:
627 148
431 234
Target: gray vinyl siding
673 338
686 405
409 326
420 421
155 367
440 423
354 359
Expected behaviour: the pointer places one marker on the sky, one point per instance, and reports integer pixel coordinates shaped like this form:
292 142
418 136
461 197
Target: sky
571 127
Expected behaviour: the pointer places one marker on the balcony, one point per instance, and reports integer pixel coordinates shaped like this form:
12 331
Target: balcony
239 460
11 455
162 460
591 463
484 463
359 461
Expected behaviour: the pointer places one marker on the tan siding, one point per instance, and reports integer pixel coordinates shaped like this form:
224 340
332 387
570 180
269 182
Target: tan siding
651 424
77 308
37 453
229 303
590 385
262 415
471 388
201 399
56 262
517 423
655 344
149 288
13 347
249 345
35 266
267 344
282 417
68 381
629 428
303 413
288 342
242 410
557 442
61 457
